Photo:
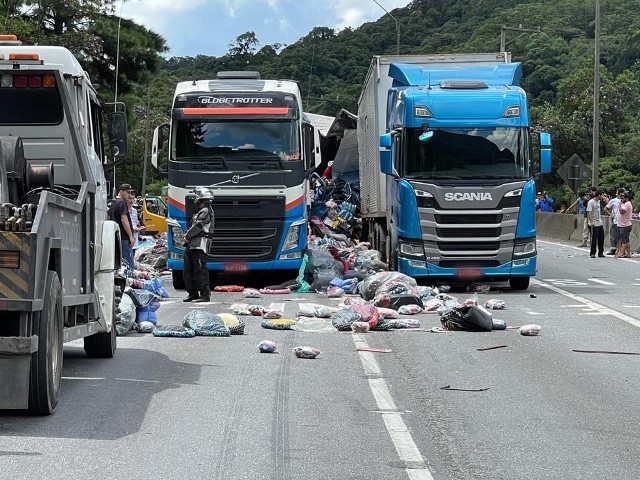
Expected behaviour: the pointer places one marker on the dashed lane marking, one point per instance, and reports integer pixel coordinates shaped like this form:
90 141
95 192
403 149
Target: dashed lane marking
589 303
599 280
392 417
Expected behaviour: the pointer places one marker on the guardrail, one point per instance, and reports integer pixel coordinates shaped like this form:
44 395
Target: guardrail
568 227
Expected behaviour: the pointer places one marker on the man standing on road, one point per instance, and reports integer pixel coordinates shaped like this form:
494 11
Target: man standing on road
197 240
595 223
624 225
119 213
581 204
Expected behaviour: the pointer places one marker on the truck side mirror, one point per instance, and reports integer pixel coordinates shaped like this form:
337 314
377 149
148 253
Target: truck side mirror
386 162
545 152
157 145
118 134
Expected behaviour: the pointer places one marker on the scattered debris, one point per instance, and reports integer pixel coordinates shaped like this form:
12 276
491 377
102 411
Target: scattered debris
360 327
267 346
448 387
495 304
611 352
374 350
530 330
306 352
533 295
495 347
499 324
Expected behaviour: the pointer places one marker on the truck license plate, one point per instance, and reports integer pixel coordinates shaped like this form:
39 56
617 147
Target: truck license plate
235 267
468 273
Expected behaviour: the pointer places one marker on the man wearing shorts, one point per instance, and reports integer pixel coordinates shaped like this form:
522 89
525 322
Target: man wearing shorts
624 225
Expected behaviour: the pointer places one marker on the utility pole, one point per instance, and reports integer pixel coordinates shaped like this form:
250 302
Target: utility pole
596 102
503 35
397 27
146 141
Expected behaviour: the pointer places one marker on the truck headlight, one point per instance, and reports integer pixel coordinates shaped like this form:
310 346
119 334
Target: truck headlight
293 236
528 248
411 250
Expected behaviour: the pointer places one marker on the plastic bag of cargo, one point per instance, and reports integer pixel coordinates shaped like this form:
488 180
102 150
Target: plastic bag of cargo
233 323
363 256
499 324
433 304
396 301
447 306
145 327
278 323
388 313
267 346
314 325
344 318
529 330
141 297
146 314
405 323
335 292
306 352
392 283
409 310
205 324
323 312
271 314
368 313
173 331
127 316
240 309
251 293
306 310
426 292
495 304
467 317
155 286
360 327
383 326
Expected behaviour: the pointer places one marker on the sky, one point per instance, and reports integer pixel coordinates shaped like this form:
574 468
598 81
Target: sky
207 27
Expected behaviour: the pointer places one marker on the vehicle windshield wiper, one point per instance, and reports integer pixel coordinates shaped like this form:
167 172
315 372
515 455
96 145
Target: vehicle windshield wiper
216 162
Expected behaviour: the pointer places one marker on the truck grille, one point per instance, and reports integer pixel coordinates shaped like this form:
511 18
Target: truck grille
468 232
237 240
470 246
468 219
468 263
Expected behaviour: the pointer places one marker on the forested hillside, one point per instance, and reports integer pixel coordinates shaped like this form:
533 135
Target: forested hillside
331 65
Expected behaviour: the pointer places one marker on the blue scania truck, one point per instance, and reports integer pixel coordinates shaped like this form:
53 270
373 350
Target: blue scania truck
446 165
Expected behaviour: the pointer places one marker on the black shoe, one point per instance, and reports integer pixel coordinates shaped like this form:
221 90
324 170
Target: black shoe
592 256
192 297
601 255
202 300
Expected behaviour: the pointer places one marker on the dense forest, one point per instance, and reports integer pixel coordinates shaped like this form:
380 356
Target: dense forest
554 40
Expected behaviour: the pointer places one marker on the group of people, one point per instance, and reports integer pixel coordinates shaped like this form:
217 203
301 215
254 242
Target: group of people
196 239
619 208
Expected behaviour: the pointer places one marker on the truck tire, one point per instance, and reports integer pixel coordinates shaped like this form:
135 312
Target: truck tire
178 279
46 363
519 283
103 344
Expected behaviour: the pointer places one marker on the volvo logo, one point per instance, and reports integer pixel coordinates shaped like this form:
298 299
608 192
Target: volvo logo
235 179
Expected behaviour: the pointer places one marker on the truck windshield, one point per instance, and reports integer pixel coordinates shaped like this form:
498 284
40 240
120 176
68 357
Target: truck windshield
237 140
467 154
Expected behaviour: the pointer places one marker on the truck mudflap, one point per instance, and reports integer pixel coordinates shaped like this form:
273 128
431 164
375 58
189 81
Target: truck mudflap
15 364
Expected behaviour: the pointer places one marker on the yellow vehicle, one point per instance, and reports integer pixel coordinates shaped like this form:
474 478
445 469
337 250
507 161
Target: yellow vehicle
153 214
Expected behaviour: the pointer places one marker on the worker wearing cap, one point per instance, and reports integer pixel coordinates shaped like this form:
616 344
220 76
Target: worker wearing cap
196 241
119 213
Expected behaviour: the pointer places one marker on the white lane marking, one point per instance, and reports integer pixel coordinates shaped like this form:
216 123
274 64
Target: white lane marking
603 282
83 378
397 429
631 306
567 282
534 313
590 303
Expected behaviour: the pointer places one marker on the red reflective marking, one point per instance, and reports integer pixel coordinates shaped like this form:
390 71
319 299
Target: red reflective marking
236 111
294 203
176 204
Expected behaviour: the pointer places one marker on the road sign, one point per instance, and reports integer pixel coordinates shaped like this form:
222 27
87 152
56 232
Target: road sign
574 171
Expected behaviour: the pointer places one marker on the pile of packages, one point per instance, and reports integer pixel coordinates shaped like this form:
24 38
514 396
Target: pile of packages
336 206
138 303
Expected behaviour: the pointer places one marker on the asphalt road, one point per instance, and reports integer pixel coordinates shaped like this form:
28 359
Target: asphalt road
216 408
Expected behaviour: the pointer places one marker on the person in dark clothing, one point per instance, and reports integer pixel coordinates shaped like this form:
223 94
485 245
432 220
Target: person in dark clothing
197 239
119 213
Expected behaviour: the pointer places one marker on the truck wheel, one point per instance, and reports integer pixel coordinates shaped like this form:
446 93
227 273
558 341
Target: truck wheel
178 279
519 283
46 363
103 344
